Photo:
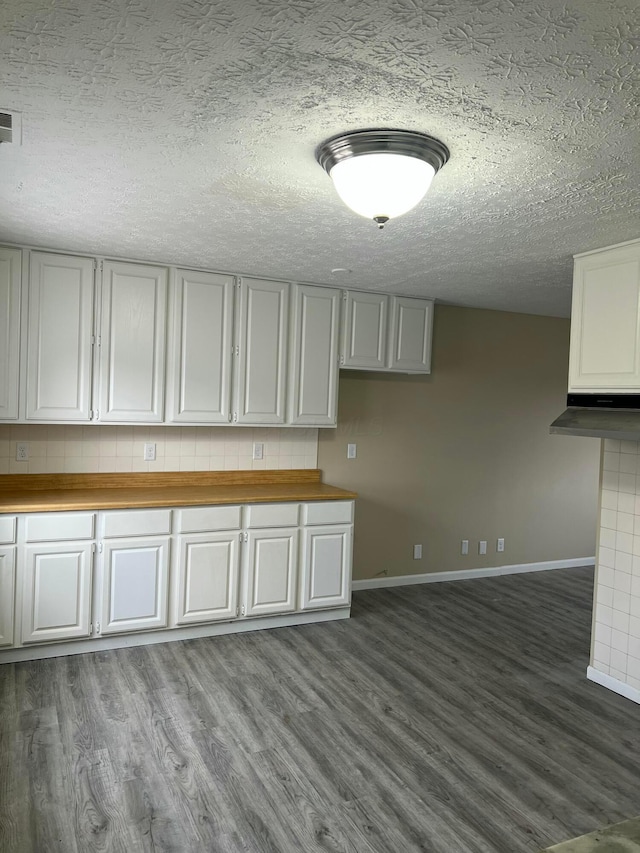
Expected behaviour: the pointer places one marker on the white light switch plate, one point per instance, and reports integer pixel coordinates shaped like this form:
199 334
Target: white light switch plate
351 451
258 450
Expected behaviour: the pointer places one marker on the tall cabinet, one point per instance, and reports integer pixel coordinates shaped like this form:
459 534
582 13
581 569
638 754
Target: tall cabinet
132 342
10 278
60 337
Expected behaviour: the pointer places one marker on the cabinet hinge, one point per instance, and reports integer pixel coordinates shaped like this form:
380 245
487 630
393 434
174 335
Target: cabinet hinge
95 264
237 611
93 548
344 295
101 266
100 547
235 417
237 351
341 360
91 628
97 627
244 610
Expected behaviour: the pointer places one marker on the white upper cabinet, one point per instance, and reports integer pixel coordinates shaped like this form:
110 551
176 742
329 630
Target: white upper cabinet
605 321
262 334
134 298
314 356
10 279
199 363
364 330
410 330
60 349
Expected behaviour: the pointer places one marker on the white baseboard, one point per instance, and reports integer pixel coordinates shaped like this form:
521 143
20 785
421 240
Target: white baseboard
613 684
470 574
169 635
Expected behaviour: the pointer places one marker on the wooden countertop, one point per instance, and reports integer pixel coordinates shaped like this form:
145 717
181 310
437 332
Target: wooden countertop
60 492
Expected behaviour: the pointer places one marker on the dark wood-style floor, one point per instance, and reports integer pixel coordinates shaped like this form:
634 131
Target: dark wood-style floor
444 718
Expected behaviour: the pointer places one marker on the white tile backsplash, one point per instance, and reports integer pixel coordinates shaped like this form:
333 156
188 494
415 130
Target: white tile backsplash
103 449
616 635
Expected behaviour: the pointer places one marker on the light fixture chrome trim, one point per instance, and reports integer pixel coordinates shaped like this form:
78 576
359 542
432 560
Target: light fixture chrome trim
406 142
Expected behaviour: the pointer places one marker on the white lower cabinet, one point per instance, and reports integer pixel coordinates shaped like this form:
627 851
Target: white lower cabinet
325 579
206 569
134 584
168 569
271 562
56 593
7 594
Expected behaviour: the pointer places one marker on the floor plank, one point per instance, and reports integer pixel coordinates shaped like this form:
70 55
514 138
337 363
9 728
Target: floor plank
440 718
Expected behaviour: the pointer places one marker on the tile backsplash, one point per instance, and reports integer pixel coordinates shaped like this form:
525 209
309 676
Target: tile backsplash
86 449
616 634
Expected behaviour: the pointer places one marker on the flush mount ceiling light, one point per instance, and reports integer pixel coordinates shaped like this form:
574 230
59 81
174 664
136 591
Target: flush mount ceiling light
382 174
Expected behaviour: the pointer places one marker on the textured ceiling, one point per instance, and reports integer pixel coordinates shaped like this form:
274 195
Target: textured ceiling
185 132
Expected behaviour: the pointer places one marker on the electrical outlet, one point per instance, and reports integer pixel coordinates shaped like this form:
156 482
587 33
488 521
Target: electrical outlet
417 552
22 451
351 451
464 548
149 452
482 546
500 545
258 450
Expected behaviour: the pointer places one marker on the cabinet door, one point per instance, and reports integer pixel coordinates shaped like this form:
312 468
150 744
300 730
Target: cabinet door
262 358
60 349
364 330
7 594
57 591
10 276
134 585
271 569
206 568
605 321
199 388
314 362
132 342
326 567
410 332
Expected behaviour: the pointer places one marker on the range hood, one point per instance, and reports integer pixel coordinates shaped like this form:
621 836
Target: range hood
600 416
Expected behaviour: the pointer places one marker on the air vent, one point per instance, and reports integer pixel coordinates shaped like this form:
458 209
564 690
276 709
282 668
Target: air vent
10 127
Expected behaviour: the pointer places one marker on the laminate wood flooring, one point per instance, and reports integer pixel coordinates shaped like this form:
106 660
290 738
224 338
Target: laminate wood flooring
449 718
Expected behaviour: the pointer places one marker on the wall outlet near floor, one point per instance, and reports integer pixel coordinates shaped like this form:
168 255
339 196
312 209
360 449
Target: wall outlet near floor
482 546
464 547
258 450
22 451
417 552
500 545
149 451
351 451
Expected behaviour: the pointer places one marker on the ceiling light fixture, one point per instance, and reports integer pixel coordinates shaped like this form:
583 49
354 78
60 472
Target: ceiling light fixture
381 174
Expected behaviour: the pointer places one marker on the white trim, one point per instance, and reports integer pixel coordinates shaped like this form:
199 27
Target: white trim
613 684
192 632
470 574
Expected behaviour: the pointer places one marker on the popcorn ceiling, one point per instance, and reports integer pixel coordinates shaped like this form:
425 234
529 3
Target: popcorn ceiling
184 132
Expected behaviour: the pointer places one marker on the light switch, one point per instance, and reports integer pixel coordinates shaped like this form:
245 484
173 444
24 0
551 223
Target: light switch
258 450
351 451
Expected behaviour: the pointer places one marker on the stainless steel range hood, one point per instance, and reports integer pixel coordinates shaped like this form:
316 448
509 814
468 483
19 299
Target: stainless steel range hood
600 416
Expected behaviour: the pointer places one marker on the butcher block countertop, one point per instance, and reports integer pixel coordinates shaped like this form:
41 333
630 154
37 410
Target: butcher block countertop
64 492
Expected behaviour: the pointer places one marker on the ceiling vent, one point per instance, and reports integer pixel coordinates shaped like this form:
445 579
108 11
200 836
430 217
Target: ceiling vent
10 127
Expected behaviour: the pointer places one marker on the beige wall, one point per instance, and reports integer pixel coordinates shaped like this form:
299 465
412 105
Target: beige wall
466 452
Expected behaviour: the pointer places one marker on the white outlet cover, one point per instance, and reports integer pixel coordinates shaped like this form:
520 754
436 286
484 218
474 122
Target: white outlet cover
258 450
482 547
149 451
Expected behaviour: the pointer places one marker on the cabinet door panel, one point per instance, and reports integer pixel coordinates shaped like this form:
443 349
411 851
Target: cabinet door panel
207 576
10 277
134 594
314 363
326 572
364 330
132 342
410 334
7 594
605 322
262 359
200 362
60 350
56 592
271 574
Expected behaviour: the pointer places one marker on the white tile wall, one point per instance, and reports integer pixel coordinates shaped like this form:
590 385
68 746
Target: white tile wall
93 449
616 634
